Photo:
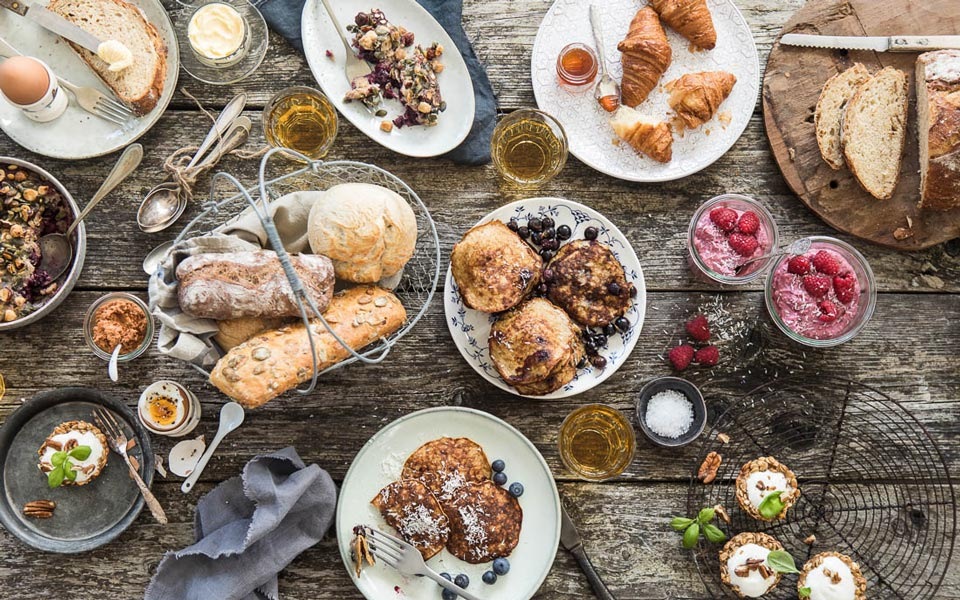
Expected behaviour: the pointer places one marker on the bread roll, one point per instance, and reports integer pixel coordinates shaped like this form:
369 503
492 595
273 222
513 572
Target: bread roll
368 231
234 332
250 284
273 362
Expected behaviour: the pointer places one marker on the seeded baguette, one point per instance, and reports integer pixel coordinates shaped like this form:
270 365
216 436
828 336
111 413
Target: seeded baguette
836 93
938 123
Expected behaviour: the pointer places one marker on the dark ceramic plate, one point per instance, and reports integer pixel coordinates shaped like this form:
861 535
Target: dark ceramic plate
86 516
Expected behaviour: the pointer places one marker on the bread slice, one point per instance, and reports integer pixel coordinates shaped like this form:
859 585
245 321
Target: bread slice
938 123
874 130
833 99
140 85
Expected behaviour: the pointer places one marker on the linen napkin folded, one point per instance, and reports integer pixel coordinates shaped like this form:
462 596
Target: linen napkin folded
248 529
283 16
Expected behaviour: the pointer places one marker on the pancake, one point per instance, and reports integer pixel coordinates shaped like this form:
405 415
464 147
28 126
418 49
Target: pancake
559 377
446 464
485 522
587 281
409 507
494 268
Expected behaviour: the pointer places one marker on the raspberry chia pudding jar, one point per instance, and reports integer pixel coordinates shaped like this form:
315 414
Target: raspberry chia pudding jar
824 297
726 232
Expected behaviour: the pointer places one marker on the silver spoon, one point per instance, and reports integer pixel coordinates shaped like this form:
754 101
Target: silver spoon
56 251
155 257
607 91
231 416
112 365
162 206
801 246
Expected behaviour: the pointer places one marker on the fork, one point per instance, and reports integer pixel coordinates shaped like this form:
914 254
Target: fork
118 443
354 66
406 559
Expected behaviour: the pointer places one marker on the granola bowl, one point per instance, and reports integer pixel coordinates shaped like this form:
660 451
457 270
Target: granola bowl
26 298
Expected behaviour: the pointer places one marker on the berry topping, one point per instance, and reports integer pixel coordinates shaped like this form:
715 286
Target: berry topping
516 489
828 311
708 356
563 232
489 577
724 218
622 323
501 566
816 285
749 223
826 263
743 244
681 356
845 285
598 361
448 595
799 265
462 580
535 224
446 576
699 328
499 478
548 222
590 233
498 466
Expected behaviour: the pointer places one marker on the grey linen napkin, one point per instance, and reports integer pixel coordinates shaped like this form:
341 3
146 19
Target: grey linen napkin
248 529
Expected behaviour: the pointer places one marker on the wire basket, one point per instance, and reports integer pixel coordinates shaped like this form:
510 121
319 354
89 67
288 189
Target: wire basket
874 484
420 275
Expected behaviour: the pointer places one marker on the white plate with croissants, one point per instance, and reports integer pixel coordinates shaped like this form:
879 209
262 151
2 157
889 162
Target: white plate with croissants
689 75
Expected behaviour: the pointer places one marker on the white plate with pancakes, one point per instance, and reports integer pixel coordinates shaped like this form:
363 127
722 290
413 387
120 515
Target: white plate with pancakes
470 328
381 461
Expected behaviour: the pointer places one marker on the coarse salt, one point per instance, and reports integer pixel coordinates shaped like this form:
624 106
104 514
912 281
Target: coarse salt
669 414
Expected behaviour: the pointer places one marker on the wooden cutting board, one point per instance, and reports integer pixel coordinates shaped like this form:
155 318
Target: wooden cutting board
791 87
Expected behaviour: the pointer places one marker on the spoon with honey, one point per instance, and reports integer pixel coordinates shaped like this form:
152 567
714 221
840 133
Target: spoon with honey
607 91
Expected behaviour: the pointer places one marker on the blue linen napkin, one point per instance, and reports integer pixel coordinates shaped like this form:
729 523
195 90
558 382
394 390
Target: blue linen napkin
248 529
283 16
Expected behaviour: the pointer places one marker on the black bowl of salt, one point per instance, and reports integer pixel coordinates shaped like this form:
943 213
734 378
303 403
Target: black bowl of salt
671 412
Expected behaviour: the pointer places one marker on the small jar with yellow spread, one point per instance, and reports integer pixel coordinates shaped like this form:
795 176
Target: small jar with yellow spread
218 34
168 408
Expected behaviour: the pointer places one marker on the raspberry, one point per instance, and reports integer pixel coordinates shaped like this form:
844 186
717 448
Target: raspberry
816 285
681 356
743 244
724 218
708 356
699 328
749 223
828 311
799 265
845 287
826 263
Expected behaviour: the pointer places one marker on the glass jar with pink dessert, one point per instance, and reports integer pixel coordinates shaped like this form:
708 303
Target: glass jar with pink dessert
823 297
725 233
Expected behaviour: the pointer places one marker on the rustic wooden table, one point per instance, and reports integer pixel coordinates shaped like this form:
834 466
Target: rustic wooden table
909 349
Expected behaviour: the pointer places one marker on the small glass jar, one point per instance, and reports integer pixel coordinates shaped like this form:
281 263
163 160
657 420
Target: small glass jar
577 65
596 442
301 119
212 22
529 147
89 320
712 258
163 398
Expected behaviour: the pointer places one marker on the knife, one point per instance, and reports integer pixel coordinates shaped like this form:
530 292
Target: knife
896 43
570 539
53 22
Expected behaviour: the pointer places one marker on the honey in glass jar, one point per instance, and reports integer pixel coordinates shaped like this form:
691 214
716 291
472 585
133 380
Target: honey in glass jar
577 64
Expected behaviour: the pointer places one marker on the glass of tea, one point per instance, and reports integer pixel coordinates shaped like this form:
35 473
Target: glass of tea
529 147
597 442
301 119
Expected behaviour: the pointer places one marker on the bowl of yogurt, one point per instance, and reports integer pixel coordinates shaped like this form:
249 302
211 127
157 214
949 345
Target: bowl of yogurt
726 232
823 297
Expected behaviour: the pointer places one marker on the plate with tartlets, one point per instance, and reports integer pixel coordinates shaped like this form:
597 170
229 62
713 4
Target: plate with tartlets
569 299
466 489
64 490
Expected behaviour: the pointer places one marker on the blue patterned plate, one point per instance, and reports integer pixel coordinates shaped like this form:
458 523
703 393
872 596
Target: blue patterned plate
470 328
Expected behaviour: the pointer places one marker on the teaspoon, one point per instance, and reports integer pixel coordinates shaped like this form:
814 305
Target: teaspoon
607 91
231 416
801 246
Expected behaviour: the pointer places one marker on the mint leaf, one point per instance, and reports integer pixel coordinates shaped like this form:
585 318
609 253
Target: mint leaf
55 477
71 474
58 458
804 592
706 515
713 534
681 523
691 535
81 452
781 562
771 505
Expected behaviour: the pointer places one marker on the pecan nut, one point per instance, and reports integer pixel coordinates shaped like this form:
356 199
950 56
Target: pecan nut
39 509
708 470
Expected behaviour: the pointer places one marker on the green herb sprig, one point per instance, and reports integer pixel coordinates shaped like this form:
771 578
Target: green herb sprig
781 562
804 592
771 505
692 529
63 468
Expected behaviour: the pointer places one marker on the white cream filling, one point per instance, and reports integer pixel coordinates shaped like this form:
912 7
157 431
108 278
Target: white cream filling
822 587
753 585
773 481
84 438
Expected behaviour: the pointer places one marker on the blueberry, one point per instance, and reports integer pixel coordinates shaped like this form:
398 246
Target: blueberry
516 489
590 348
622 323
547 222
563 232
609 329
490 578
446 576
548 274
542 288
448 595
498 465
549 233
535 224
462 580
614 288
598 361
523 232
550 244
547 254
582 363
513 225
590 233
499 478
501 566
536 238
633 290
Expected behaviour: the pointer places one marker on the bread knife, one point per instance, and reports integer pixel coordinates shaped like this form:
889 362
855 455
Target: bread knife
896 43
53 22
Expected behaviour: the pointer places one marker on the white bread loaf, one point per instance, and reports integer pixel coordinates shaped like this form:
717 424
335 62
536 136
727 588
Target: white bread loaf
837 92
938 122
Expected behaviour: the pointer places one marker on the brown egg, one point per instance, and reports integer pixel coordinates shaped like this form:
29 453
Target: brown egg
23 80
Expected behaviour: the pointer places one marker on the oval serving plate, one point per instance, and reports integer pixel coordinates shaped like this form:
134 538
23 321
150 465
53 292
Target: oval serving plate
86 516
456 87
586 124
471 328
78 134
380 462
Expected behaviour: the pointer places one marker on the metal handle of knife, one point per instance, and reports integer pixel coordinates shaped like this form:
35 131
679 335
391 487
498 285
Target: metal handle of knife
921 43
15 5
597 584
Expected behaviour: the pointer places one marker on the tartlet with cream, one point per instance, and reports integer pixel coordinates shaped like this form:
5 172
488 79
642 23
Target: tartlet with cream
832 576
743 564
69 435
764 476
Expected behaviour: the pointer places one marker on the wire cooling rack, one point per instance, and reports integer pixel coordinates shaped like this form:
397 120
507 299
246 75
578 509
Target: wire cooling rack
874 484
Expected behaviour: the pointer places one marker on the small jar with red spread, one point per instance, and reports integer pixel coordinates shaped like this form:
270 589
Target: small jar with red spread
577 65
118 319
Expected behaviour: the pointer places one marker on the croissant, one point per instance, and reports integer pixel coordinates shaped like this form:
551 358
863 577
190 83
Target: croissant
643 133
689 18
646 55
695 97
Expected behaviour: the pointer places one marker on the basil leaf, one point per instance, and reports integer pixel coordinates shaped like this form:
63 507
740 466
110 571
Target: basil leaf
781 562
58 458
706 515
691 535
81 452
71 474
55 477
713 534
804 592
681 523
771 506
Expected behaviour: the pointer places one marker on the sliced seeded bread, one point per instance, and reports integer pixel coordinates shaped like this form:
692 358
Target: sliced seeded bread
140 85
874 131
938 121
833 99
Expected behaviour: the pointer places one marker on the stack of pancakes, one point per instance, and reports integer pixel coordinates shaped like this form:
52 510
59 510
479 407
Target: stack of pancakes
445 498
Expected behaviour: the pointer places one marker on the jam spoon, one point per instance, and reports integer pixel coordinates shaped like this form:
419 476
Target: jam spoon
607 91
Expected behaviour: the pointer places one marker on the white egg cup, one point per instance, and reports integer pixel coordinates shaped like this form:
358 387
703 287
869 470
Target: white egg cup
50 106
188 408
